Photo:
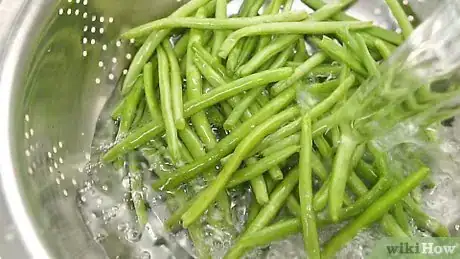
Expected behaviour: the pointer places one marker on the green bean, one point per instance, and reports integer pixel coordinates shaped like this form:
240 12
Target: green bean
277 199
226 145
194 92
195 146
364 170
139 114
368 60
176 87
263 98
325 71
363 202
173 222
283 132
183 67
214 23
288 4
383 49
219 35
276 173
281 144
130 108
118 110
224 205
259 189
374 212
250 46
238 111
401 217
308 27
265 54
215 116
217 78
328 10
299 72
244 8
320 15
375 31
166 105
318 167
281 60
277 231
441 116
211 60
349 41
192 142
134 140
226 91
232 59
356 185
340 171
292 204
255 7
358 155
234 56
137 193
227 109
198 238
332 99
391 227
150 93
323 147
273 8
204 199
256 169
151 43
339 53
402 19
185 153
301 52
254 209
320 198
180 47
323 88
308 218
424 221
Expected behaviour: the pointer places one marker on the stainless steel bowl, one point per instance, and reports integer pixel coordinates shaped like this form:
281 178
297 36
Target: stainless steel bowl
60 61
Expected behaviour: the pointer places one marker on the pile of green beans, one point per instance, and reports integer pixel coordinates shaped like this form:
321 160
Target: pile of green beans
239 103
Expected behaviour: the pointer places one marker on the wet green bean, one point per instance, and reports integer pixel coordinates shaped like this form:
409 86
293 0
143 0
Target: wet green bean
307 27
151 43
374 212
208 195
307 216
261 166
176 86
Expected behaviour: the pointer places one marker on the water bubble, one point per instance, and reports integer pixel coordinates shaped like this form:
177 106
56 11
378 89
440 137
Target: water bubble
146 255
132 235
100 237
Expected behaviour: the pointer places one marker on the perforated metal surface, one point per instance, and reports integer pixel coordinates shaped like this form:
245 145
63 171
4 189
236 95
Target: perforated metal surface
63 64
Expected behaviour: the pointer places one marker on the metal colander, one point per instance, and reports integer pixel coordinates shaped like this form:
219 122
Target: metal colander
62 61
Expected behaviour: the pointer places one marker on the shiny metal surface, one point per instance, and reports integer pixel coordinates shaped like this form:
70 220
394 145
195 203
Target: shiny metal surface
60 63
